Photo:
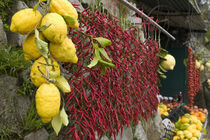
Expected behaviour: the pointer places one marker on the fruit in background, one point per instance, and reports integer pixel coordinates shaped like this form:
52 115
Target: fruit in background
24 21
163 109
202 68
169 63
198 64
208 64
208 81
188 127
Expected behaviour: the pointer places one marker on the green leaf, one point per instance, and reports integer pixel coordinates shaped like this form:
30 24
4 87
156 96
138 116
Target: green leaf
53 75
44 27
64 117
107 63
93 62
103 52
62 84
56 123
160 72
97 53
161 68
69 20
163 52
204 131
103 71
35 7
163 76
103 41
41 45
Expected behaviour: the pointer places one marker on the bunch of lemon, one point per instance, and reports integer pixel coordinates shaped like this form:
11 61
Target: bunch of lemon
188 127
61 48
163 109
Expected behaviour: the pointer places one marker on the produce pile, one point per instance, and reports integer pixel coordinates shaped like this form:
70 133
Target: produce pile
46 43
107 102
189 126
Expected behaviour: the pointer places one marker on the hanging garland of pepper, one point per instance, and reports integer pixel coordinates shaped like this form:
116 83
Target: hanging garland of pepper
193 76
106 103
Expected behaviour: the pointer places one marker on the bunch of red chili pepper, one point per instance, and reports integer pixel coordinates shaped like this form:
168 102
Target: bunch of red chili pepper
193 80
106 103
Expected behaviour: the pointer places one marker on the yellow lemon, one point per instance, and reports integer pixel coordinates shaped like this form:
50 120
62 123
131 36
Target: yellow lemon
35 74
207 64
193 138
64 7
47 101
194 119
196 133
197 64
25 20
176 138
64 52
169 63
187 134
29 47
179 133
57 31
185 120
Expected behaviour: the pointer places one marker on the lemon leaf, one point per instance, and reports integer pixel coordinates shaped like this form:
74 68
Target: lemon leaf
204 131
62 84
69 20
163 52
164 70
107 63
103 52
103 41
93 62
44 27
163 76
56 123
103 71
64 117
41 45
35 7
53 75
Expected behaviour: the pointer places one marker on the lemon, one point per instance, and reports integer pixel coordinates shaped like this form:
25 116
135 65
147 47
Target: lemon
187 134
176 138
202 67
169 63
64 52
179 133
64 7
57 31
35 74
29 47
194 119
196 133
207 64
208 81
25 20
197 64
193 138
47 101
185 120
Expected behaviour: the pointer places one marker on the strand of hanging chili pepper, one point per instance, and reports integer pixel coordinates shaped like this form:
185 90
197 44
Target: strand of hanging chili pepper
107 103
193 82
